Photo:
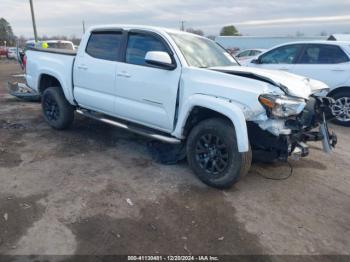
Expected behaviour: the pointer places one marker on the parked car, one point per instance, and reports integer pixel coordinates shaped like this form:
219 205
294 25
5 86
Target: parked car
326 61
29 44
248 54
3 51
232 50
12 53
57 44
183 89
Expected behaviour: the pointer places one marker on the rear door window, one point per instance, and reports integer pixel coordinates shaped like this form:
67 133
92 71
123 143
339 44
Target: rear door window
105 45
322 54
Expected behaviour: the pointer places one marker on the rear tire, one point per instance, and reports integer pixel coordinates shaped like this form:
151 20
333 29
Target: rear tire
213 155
58 112
341 110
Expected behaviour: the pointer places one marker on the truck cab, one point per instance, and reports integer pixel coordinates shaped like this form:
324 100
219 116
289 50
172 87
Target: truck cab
111 75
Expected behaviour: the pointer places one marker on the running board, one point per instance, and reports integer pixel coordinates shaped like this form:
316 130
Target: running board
137 130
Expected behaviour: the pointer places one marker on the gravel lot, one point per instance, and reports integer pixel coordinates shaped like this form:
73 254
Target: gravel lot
95 189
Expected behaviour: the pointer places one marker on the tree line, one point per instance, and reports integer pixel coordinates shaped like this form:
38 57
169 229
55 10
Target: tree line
229 30
6 34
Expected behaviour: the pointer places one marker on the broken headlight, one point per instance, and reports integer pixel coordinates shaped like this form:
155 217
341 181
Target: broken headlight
282 106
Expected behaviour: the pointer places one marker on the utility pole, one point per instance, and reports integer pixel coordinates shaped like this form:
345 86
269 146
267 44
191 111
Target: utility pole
33 20
83 27
182 28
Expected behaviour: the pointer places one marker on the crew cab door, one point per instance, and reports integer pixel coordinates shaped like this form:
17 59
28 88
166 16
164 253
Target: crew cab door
280 58
146 94
324 62
95 71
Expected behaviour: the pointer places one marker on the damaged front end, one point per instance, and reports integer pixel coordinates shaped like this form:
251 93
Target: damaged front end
281 137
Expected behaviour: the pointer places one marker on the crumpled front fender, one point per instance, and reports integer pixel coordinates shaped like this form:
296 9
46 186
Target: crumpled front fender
219 105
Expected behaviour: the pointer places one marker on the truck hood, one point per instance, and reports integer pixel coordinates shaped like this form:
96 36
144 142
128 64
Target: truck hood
291 84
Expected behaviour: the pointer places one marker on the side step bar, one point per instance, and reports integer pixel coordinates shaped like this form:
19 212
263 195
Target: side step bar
137 130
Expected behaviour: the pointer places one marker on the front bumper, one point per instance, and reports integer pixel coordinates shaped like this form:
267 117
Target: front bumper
310 125
298 142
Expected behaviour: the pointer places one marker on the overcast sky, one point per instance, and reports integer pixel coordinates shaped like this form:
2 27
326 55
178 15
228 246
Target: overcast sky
251 17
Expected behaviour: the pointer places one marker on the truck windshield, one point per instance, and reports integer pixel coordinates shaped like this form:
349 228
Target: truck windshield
202 52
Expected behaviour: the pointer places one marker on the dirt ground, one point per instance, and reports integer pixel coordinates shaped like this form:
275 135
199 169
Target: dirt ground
95 189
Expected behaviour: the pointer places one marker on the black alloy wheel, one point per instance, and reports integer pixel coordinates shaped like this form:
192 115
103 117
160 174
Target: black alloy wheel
212 154
51 108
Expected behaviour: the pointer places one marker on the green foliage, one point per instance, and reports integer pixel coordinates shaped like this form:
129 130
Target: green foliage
229 31
6 33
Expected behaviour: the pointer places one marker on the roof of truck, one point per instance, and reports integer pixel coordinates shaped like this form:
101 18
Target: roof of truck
140 27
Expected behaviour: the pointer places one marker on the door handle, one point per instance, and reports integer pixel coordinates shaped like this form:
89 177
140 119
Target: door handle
338 70
124 74
82 67
284 68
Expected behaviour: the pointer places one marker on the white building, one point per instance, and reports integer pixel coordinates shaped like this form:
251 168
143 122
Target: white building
260 42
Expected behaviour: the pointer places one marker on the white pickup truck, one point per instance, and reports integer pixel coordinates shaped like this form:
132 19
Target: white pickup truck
183 89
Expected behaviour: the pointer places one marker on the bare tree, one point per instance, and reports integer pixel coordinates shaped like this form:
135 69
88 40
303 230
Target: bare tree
299 34
195 31
211 37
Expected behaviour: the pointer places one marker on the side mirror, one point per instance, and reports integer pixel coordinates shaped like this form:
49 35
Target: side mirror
160 59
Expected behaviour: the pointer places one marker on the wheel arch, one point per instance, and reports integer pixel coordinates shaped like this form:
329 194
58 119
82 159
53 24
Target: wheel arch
46 81
200 107
336 94
50 79
339 89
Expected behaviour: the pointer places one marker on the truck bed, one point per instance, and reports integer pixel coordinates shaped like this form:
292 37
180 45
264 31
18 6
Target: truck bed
52 62
55 51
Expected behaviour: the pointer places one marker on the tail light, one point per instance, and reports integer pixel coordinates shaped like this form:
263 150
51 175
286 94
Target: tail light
24 63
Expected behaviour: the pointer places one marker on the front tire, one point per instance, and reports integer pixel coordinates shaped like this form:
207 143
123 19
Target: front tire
341 109
213 155
58 112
